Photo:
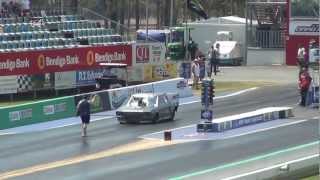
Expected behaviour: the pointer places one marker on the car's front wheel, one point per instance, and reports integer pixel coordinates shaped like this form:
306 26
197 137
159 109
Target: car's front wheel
155 119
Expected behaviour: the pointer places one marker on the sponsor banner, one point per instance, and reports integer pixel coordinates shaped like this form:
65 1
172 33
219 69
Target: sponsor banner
159 72
99 101
8 84
45 61
304 28
148 53
37 112
177 85
135 74
65 80
120 95
88 77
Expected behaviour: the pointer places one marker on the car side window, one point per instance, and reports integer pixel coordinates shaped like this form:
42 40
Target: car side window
165 99
161 101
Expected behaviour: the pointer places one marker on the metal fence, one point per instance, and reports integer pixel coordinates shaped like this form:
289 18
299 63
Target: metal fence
267 39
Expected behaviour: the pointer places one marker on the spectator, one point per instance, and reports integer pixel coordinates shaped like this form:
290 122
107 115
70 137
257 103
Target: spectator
214 59
195 69
301 57
304 83
192 48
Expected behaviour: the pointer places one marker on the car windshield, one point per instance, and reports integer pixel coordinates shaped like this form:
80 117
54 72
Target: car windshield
141 102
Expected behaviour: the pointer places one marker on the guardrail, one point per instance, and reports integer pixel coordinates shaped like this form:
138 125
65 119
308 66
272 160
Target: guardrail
42 111
54 109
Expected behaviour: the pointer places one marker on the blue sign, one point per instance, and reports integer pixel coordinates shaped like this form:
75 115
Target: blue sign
206 114
87 77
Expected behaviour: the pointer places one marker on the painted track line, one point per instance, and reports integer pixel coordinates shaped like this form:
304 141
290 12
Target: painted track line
224 96
271 167
245 161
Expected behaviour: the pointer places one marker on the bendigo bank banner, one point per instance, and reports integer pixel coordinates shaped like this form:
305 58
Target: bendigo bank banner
58 60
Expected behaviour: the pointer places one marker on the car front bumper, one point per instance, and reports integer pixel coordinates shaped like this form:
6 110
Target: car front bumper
135 117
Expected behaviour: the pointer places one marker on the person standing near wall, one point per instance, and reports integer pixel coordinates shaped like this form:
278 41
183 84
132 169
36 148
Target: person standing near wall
301 60
304 83
83 110
195 69
214 59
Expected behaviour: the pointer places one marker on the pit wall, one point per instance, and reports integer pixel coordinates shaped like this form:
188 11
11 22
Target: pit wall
65 107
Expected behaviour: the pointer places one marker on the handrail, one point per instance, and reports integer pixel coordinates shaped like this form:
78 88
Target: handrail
126 28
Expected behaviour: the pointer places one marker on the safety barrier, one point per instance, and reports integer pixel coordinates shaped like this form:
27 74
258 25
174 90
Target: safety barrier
177 85
249 118
54 109
37 112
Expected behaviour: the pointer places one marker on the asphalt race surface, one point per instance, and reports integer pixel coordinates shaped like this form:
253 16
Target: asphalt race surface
63 154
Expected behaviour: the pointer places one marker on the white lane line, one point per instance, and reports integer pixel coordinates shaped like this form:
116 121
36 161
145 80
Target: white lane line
237 93
225 96
271 167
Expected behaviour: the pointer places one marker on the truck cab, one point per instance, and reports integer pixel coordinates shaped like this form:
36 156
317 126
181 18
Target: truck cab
110 79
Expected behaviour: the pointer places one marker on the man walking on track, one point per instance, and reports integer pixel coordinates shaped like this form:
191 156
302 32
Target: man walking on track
83 110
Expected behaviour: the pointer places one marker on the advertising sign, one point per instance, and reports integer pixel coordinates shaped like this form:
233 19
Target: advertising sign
159 72
142 54
120 95
87 77
149 53
304 28
37 112
65 80
31 62
8 84
98 101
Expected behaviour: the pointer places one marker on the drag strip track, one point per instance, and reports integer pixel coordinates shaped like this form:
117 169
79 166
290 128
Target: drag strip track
24 150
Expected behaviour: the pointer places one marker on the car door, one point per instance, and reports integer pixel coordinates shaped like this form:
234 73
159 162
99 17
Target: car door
165 107
162 107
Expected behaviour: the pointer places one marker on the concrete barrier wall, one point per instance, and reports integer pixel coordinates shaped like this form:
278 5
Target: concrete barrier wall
249 118
54 109
260 57
37 112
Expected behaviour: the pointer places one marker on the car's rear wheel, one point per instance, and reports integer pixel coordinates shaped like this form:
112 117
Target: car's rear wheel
172 116
155 119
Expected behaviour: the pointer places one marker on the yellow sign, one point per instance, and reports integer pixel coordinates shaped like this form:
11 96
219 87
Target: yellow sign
159 72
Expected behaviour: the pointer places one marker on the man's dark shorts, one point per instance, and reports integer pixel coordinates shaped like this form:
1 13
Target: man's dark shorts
85 119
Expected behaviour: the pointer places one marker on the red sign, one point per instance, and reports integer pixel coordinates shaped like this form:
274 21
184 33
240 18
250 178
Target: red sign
38 62
142 54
